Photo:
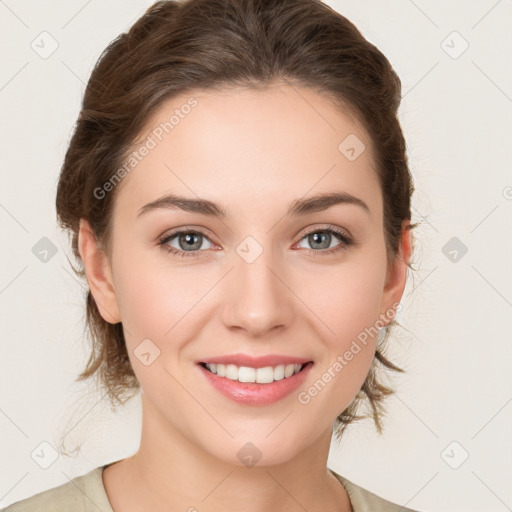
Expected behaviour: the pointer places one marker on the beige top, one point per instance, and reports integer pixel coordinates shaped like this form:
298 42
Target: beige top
86 493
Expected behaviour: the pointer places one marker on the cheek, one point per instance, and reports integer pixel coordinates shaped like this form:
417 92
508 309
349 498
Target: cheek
346 298
346 301
157 301
349 311
158 305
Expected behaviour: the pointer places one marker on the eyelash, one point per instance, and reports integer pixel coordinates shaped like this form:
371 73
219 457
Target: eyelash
346 241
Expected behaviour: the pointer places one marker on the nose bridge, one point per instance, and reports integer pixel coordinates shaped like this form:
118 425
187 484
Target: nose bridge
258 300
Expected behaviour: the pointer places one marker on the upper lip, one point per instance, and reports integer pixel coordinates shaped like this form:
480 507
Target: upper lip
255 362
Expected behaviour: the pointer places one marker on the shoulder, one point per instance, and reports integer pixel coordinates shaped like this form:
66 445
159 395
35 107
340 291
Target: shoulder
365 501
84 493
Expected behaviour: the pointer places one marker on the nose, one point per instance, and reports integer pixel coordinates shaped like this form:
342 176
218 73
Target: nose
257 298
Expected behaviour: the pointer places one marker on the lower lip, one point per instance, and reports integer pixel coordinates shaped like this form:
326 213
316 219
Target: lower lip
251 393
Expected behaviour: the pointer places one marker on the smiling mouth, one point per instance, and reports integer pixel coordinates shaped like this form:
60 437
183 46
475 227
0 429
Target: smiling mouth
245 374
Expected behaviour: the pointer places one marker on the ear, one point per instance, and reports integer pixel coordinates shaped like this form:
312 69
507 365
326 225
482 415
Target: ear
99 274
396 274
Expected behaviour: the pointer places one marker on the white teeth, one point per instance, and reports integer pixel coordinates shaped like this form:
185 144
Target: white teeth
258 375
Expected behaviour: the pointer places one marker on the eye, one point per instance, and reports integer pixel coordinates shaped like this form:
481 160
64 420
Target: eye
322 240
189 242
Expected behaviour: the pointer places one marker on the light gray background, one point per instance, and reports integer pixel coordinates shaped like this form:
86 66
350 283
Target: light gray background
456 115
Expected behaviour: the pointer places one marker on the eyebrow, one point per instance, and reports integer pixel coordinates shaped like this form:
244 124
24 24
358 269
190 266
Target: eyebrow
298 207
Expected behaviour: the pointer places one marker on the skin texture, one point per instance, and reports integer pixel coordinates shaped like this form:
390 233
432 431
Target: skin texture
253 152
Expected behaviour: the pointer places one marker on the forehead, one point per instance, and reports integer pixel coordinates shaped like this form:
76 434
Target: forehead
246 145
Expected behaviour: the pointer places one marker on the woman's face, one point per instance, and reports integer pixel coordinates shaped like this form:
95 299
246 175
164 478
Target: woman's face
264 279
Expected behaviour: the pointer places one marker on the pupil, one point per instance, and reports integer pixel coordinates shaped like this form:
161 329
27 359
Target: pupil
323 237
189 241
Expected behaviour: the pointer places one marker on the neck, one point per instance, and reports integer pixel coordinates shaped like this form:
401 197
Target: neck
171 472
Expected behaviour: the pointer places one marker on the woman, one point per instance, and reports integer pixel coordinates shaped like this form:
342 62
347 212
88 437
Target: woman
237 191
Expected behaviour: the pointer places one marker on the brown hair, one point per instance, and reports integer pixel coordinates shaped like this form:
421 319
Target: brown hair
176 47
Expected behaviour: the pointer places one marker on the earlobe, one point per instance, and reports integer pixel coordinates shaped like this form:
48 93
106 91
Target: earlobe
397 274
99 274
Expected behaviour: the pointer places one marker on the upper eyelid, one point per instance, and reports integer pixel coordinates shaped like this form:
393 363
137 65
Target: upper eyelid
329 227
172 234
305 232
